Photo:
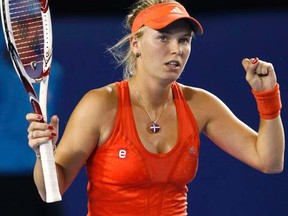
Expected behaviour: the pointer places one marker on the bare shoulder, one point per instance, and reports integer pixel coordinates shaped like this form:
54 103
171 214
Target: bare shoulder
95 113
198 95
104 98
97 107
205 105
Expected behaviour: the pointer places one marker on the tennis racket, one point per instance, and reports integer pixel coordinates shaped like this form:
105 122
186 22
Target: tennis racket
28 34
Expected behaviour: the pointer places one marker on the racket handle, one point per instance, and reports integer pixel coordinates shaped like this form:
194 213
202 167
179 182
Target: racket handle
49 172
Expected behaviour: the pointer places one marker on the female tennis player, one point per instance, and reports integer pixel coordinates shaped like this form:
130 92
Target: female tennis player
139 137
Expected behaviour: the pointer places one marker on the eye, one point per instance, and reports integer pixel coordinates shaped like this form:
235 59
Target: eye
163 37
185 40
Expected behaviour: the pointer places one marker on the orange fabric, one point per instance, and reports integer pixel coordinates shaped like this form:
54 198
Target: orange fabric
268 102
126 179
160 15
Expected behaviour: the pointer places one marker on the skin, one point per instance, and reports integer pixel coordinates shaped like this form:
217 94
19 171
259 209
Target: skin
88 127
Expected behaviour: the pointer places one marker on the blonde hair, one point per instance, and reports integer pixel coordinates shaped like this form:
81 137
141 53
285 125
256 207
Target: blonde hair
121 51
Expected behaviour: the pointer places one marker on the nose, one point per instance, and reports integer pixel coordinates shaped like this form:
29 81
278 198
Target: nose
176 49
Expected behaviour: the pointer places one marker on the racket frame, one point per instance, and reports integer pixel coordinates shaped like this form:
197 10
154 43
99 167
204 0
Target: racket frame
38 106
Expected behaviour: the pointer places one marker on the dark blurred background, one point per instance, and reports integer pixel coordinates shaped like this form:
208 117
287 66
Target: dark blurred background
81 33
121 7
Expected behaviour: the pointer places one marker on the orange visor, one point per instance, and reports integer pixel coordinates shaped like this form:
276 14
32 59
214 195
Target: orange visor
160 15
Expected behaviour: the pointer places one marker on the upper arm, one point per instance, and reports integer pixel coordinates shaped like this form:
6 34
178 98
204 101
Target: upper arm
230 133
84 130
223 128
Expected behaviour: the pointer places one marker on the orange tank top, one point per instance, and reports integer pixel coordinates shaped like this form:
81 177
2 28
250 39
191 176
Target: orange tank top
127 180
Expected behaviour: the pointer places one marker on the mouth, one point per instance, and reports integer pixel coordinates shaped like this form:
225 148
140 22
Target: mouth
174 64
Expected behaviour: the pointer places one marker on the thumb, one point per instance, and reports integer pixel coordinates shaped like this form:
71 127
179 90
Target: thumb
245 63
250 66
54 122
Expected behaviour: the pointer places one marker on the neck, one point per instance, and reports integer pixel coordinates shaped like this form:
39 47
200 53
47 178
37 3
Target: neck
154 114
154 96
152 99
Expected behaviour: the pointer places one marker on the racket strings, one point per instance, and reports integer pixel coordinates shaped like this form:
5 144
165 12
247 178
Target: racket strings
27 28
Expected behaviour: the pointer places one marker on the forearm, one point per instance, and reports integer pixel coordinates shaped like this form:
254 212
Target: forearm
270 140
271 145
39 179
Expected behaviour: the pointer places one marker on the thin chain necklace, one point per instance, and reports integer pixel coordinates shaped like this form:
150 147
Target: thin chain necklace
153 126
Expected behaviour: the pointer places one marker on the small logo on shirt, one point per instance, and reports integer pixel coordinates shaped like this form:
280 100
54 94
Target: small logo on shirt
192 150
122 153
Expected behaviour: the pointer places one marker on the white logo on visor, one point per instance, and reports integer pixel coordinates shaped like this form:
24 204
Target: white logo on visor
176 10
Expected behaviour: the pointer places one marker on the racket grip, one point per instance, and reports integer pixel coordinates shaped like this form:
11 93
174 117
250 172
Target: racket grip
49 173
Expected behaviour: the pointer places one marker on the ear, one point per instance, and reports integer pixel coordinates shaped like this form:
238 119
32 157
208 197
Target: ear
135 44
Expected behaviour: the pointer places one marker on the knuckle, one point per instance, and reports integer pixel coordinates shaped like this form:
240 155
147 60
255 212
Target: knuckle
32 124
31 143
